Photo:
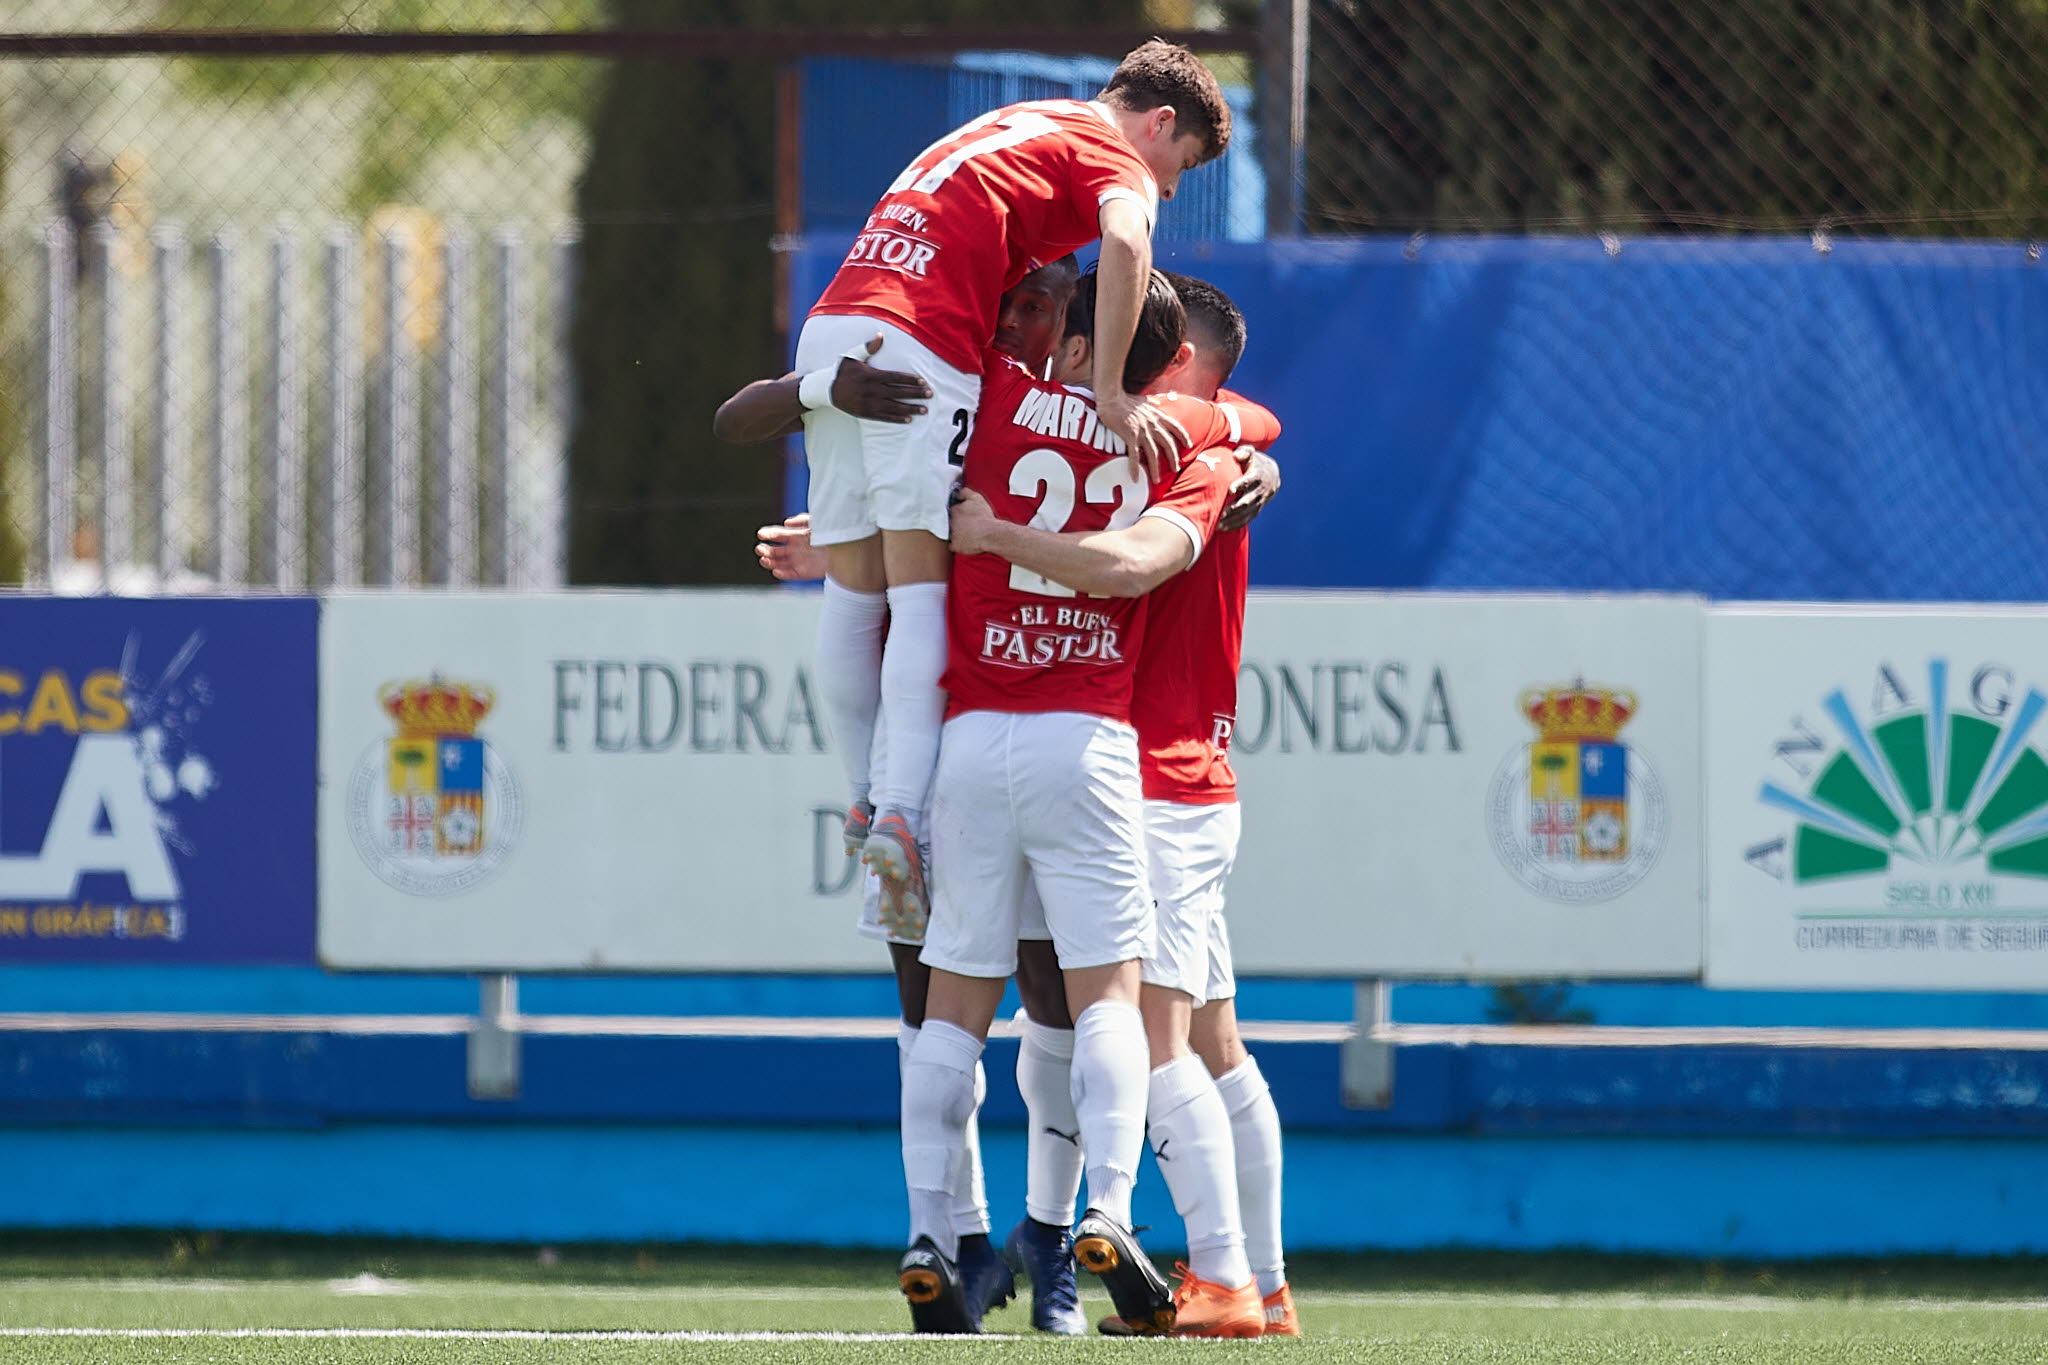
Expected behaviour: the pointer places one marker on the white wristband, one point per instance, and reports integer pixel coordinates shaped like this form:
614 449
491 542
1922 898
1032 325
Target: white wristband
814 390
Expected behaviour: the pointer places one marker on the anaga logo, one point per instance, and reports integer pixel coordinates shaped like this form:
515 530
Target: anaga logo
1577 816
1932 801
435 810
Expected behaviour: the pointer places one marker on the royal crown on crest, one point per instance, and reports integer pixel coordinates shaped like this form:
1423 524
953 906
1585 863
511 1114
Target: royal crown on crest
436 707
1578 712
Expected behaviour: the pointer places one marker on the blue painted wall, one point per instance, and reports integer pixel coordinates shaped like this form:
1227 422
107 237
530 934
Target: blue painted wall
840 1185
1751 1151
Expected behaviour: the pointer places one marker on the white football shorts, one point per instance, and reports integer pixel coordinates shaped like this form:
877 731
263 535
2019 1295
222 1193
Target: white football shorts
1189 851
1037 832
869 925
870 476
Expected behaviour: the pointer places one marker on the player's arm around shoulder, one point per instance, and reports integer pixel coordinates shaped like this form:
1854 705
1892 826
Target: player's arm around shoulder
1259 480
1128 562
1254 424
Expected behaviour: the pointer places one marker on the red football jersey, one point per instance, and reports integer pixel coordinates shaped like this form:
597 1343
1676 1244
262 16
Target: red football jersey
1018 642
978 211
1184 703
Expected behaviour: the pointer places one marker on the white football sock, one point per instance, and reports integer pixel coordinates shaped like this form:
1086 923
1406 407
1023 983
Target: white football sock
1109 1101
938 1101
1191 1141
970 1205
1255 1132
1045 1078
850 674
912 700
970 1201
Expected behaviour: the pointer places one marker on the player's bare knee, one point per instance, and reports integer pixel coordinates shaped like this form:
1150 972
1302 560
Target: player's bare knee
915 557
913 982
1167 1013
1040 986
857 565
1089 985
1214 1036
966 1002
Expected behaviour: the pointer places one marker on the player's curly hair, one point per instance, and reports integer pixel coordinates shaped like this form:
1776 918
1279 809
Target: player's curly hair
1162 73
1162 326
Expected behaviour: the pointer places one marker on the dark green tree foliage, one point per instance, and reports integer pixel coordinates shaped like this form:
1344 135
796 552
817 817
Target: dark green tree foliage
1910 117
676 305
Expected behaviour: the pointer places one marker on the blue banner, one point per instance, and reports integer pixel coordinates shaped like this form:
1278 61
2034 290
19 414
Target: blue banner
157 780
1740 418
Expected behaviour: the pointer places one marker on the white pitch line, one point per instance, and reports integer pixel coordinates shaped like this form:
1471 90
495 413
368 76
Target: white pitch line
457 1289
451 1289
447 1334
1733 1303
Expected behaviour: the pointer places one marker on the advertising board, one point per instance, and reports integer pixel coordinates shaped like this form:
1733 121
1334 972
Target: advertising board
156 780
1877 798
1468 786
596 781
646 782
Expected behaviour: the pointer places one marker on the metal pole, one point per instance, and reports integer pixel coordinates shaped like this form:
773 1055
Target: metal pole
117 454
340 500
1283 110
287 415
452 475
494 1041
398 507
230 450
167 472
504 538
1367 1057
553 516
60 411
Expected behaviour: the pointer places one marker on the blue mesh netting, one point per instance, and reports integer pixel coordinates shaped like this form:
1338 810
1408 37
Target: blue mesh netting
1746 419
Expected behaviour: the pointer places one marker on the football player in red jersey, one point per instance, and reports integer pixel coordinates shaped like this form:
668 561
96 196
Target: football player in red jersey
1038 802
975 212
1029 325
1224 1132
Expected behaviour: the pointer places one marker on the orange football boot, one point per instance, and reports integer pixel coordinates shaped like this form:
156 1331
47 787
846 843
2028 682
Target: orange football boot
892 851
1203 1308
1279 1312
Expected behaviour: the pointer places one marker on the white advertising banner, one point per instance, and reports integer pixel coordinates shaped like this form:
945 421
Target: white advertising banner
1462 785
1877 798
597 781
587 781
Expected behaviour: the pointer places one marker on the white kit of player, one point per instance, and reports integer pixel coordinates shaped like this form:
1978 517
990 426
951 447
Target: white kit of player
1037 832
1038 778
1189 851
978 210
882 476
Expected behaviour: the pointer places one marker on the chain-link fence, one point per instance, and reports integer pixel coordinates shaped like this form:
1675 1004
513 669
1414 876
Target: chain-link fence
443 291
1888 117
288 321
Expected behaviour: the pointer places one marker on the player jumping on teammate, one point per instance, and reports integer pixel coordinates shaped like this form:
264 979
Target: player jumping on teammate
966 220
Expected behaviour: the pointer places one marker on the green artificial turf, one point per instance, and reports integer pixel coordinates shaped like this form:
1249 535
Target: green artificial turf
1403 1310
